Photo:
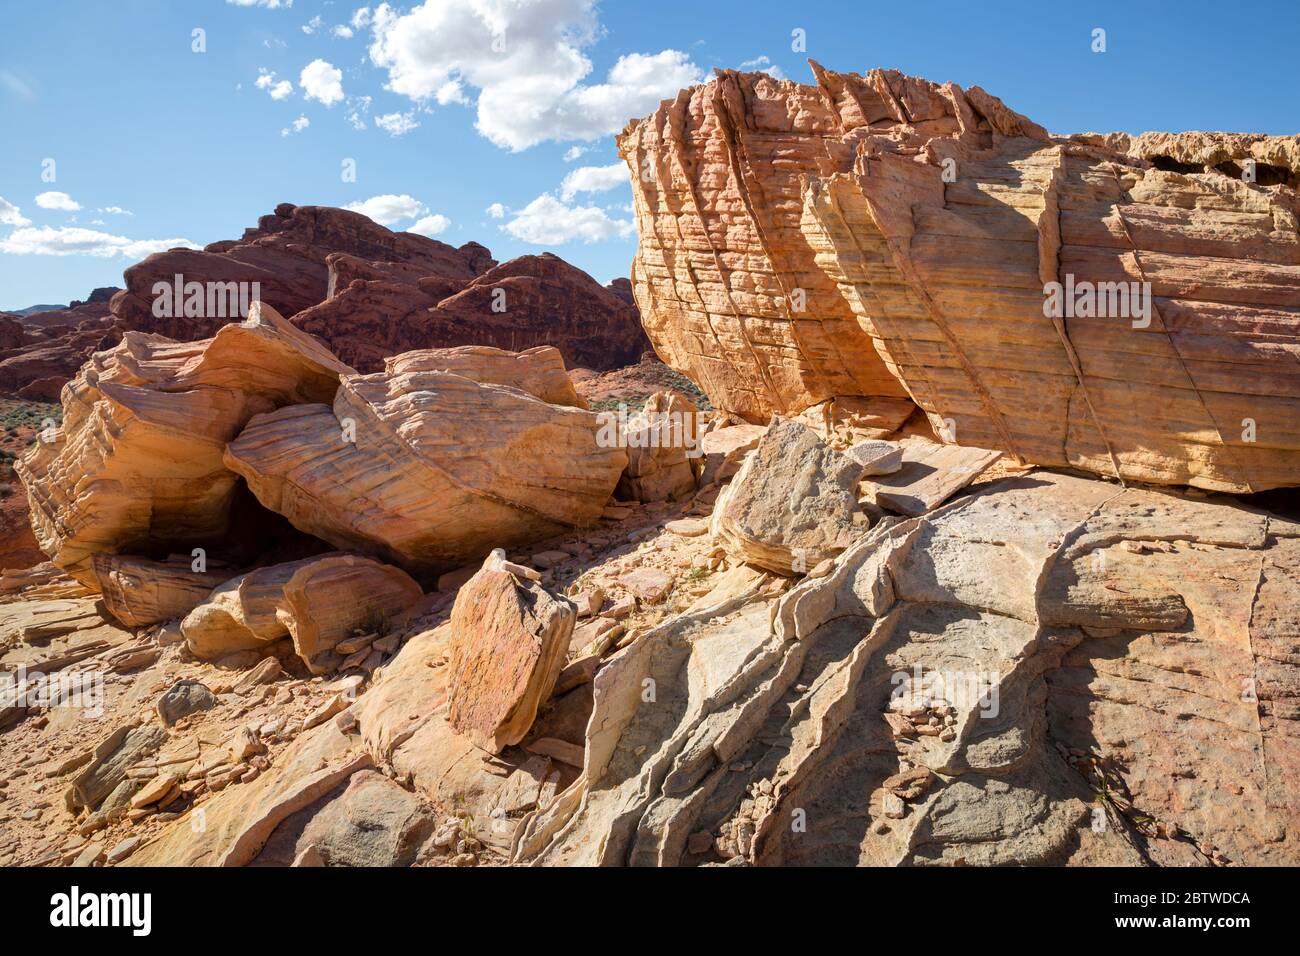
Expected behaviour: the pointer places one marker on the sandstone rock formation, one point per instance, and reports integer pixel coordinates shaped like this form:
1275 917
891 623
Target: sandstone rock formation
662 442
428 469
792 505
518 305
809 645
992 662
920 227
317 601
136 466
139 592
538 371
509 637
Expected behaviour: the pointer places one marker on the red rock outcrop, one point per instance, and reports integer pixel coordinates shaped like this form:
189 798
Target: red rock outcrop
11 331
366 291
49 347
518 305
923 226
286 255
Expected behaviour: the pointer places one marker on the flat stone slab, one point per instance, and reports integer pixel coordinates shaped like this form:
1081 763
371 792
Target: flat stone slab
930 474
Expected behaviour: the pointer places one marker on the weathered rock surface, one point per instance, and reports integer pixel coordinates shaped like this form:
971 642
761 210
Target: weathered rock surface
239 821
792 504
662 442
139 592
728 287
183 698
954 692
428 470
509 638
371 822
924 223
927 475
539 371
108 765
136 466
518 305
317 602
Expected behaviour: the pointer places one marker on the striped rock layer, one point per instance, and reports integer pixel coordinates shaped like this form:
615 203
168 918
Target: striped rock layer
429 469
136 466
880 235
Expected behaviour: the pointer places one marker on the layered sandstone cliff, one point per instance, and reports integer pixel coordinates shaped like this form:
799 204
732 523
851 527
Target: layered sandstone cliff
921 226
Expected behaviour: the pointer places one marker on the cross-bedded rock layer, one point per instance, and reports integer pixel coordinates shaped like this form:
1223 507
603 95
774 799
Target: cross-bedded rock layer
879 233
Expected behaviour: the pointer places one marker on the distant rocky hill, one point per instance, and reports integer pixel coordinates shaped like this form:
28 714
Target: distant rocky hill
365 290
36 309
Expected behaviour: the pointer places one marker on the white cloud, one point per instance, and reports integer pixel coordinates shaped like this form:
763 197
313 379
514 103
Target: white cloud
322 82
312 25
115 211
266 80
573 152
361 18
388 209
269 4
451 92
496 211
342 32
593 179
76 241
431 225
527 64
762 64
11 215
358 108
548 222
297 126
397 124
57 200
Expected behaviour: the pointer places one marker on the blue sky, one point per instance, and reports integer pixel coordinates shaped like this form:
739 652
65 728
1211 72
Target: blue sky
157 143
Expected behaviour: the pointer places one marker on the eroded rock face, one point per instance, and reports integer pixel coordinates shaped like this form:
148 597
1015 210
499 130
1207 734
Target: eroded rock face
955 690
926 224
317 602
728 287
509 637
540 371
521 304
792 504
136 466
428 470
662 441
139 592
